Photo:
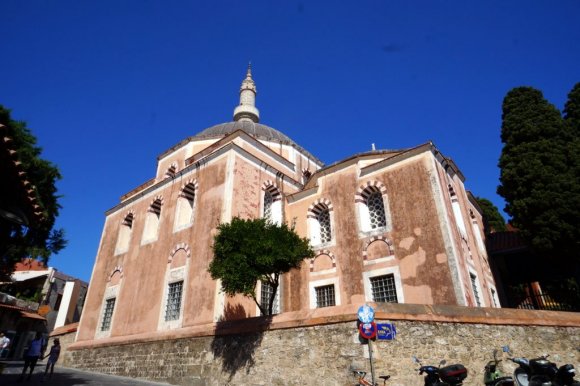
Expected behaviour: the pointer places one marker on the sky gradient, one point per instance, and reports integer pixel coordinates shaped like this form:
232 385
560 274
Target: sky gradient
108 86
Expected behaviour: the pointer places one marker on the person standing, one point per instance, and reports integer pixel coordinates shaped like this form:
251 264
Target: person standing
52 358
4 345
32 355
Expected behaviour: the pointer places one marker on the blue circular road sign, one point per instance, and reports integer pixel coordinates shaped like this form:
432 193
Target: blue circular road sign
366 314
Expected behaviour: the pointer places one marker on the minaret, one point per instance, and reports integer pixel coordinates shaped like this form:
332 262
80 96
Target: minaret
247 111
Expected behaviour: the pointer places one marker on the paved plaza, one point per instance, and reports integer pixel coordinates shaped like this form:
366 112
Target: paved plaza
64 377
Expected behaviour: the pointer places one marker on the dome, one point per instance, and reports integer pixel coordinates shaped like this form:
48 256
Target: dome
256 130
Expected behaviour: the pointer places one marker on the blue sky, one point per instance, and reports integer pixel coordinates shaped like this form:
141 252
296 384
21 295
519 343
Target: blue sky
107 86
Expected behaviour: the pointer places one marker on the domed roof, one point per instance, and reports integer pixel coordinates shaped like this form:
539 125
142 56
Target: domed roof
256 130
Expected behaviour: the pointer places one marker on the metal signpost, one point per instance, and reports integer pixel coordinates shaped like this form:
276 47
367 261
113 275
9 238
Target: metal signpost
368 330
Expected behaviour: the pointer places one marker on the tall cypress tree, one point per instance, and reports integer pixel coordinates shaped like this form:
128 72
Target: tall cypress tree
492 219
535 177
572 132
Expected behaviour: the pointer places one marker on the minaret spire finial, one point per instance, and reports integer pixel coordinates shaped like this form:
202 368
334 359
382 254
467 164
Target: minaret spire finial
246 110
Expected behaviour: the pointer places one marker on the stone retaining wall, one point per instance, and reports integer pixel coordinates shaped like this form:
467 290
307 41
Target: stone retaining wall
323 349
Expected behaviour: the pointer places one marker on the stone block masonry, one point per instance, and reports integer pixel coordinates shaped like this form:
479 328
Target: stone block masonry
322 347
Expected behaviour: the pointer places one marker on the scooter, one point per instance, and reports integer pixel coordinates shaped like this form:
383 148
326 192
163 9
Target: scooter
565 376
541 372
492 376
452 375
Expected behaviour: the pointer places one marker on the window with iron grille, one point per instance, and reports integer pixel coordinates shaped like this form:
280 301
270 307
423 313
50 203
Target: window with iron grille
376 210
325 296
324 221
266 291
383 289
173 301
108 314
475 291
268 199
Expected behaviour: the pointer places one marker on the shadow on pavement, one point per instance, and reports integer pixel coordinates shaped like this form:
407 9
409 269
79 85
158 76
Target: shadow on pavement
63 376
36 379
12 370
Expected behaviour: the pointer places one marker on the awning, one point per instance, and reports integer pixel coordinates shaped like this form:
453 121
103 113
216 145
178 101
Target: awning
24 313
30 315
27 275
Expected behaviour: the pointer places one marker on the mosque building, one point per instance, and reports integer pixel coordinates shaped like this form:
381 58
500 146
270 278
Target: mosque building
386 226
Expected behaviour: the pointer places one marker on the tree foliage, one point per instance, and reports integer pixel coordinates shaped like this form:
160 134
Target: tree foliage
492 218
39 240
539 170
248 251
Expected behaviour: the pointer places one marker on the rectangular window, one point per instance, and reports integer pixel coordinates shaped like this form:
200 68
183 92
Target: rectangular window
173 307
475 291
108 314
265 293
325 296
383 289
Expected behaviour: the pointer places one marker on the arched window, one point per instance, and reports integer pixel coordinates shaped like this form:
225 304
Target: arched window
171 170
107 315
457 213
320 222
371 204
185 206
324 221
272 203
376 210
175 291
268 200
151 230
124 234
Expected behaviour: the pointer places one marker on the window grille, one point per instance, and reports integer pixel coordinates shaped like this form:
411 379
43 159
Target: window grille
173 301
376 210
108 314
383 289
474 287
265 293
324 221
268 199
325 296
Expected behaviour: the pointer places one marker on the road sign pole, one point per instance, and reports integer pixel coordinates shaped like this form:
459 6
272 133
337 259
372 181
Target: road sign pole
371 360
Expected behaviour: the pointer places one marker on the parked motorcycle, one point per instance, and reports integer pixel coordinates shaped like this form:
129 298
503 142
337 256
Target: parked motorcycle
541 372
492 376
452 375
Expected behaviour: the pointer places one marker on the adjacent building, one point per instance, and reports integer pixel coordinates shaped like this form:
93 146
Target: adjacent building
40 299
386 226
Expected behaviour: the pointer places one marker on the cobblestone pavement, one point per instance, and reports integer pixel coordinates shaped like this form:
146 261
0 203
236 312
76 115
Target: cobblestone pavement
64 377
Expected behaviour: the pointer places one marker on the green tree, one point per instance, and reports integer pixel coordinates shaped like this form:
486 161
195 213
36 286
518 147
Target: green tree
39 239
493 221
539 189
248 251
572 127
